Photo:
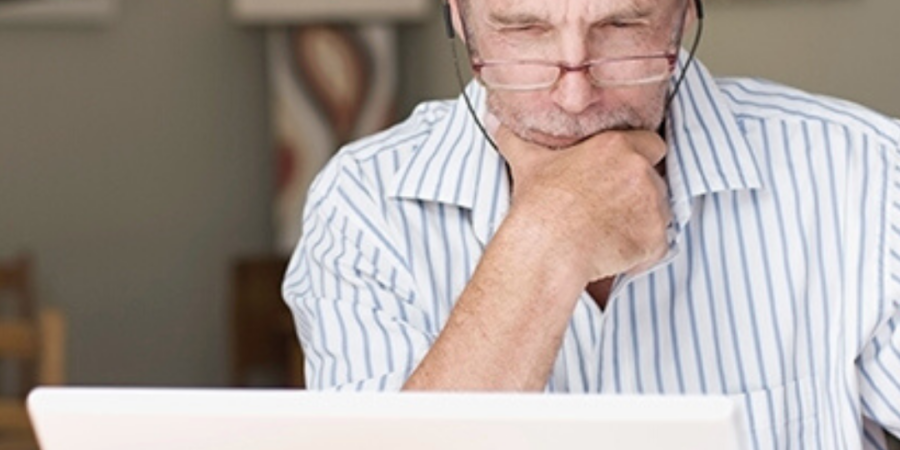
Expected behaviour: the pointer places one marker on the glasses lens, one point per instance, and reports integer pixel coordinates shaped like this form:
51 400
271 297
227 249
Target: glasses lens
630 72
518 76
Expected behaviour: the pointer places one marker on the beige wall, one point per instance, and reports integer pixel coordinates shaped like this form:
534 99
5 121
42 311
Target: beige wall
134 162
847 48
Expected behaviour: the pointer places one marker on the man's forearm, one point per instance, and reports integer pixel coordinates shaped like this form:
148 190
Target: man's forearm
506 328
579 214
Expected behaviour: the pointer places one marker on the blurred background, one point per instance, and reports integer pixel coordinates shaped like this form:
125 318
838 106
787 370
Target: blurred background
139 160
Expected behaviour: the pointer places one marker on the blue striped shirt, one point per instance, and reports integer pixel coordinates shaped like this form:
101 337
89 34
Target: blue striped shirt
781 288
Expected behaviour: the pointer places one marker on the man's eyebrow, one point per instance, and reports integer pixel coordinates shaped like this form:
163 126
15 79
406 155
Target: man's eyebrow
631 12
516 19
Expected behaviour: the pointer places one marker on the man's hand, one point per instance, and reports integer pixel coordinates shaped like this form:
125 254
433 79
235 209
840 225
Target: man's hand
600 201
578 214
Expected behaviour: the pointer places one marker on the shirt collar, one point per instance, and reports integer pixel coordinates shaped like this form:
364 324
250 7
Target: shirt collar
708 150
448 166
456 165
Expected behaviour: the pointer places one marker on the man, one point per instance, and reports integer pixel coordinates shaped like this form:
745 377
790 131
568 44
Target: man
630 234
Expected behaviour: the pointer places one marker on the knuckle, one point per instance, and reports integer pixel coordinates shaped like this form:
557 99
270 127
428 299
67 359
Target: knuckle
658 235
632 171
614 138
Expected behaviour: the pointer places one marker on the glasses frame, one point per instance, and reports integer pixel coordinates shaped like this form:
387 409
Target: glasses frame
698 34
563 68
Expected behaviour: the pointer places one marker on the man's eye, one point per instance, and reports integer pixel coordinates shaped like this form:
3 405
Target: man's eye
526 29
623 24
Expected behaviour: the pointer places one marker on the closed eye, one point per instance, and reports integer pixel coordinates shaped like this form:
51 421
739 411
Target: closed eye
624 24
530 29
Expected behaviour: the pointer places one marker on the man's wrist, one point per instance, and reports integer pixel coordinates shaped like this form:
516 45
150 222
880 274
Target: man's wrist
542 251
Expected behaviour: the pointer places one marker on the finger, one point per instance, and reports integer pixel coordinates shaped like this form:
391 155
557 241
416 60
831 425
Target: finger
648 144
659 252
659 249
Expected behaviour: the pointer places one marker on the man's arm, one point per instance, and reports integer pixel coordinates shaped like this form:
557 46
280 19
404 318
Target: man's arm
507 325
577 215
878 364
879 375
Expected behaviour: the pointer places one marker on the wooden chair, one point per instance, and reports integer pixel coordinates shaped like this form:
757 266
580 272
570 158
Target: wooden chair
264 346
31 351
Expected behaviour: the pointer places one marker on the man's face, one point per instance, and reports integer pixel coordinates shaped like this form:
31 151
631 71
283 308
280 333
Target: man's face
573 31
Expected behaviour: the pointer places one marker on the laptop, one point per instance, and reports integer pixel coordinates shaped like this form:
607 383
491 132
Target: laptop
72 418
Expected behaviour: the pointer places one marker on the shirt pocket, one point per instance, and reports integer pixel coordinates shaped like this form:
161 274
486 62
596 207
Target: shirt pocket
783 417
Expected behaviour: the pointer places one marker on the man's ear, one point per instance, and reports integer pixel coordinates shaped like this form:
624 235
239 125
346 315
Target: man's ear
452 19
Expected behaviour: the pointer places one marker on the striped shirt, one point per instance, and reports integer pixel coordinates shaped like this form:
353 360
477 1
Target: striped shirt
781 288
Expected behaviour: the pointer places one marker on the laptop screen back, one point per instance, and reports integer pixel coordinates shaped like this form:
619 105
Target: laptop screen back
232 419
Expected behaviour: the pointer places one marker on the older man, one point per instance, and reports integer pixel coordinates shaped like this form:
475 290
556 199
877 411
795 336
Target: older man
629 233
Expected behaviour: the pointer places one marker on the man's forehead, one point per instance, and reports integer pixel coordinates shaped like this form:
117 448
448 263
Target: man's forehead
566 7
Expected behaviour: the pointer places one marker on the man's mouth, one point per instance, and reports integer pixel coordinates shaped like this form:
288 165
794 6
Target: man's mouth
552 141
561 141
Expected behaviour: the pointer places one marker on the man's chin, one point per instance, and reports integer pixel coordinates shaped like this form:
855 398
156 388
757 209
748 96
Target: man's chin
558 141
551 141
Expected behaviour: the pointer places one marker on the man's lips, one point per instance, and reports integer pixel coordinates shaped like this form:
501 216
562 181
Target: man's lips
553 141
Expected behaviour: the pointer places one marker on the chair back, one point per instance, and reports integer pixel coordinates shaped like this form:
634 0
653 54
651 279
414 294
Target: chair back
32 339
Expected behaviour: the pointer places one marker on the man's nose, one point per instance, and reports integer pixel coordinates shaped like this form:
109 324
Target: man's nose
574 92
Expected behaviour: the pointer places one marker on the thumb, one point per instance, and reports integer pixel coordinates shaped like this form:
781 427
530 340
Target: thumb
648 144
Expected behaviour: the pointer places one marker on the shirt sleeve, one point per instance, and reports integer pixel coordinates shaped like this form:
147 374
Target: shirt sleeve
879 363
351 293
879 369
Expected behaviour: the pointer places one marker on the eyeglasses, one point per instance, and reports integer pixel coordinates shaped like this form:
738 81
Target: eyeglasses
559 69
530 75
